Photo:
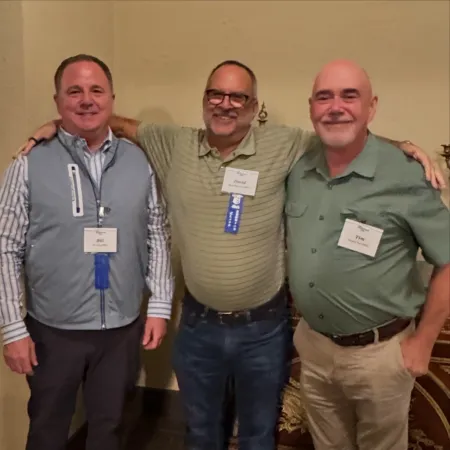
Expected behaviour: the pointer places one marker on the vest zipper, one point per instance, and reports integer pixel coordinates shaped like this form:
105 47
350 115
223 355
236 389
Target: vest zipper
98 196
100 224
98 200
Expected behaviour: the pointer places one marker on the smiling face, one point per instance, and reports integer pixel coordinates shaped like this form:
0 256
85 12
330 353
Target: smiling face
342 105
85 99
229 102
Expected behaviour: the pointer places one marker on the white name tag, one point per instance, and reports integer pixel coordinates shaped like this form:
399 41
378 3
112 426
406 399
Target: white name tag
360 237
100 240
237 181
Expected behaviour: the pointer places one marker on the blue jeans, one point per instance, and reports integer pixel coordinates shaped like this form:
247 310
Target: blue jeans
255 355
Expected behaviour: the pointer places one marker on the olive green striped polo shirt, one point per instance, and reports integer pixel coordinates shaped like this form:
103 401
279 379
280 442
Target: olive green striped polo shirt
221 270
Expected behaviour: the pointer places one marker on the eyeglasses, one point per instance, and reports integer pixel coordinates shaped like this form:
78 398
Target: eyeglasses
237 99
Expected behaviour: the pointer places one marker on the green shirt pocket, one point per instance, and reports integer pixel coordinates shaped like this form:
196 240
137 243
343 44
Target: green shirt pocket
295 209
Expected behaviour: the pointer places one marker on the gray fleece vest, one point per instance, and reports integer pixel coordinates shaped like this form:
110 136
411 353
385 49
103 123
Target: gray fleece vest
59 276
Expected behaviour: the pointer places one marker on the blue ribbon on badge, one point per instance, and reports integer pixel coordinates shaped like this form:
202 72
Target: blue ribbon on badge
101 270
234 213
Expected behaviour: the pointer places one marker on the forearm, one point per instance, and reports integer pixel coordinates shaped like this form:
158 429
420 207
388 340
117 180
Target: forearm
437 307
125 127
12 326
159 278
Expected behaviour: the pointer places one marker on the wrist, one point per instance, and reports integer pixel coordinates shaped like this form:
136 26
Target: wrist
424 339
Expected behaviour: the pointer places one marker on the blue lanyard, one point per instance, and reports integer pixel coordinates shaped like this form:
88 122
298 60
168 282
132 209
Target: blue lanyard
101 271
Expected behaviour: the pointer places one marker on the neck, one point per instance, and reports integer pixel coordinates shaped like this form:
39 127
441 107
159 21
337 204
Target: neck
94 139
226 144
338 158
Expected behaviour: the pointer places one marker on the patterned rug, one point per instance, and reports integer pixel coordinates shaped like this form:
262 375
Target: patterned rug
429 413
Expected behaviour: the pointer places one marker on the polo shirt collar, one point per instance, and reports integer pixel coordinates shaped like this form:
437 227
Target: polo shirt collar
364 164
246 146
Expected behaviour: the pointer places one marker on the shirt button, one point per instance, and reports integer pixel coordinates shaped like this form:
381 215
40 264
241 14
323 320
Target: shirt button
321 316
330 186
311 284
321 217
313 250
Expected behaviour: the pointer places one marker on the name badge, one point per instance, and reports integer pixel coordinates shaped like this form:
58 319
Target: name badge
100 240
237 181
234 213
360 237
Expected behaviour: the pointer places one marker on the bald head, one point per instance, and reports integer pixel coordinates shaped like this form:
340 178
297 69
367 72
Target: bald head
343 71
342 104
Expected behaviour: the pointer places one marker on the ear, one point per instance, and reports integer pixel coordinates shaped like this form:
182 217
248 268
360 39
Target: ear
310 107
256 107
373 108
55 99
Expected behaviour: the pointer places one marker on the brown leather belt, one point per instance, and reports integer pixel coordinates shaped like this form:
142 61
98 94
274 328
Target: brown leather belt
385 332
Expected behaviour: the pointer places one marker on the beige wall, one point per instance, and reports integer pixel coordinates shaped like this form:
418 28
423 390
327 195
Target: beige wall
161 52
12 392
34 37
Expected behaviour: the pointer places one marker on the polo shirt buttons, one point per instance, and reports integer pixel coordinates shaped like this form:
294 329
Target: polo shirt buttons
311 284
313 250
321 316
321 217
330 186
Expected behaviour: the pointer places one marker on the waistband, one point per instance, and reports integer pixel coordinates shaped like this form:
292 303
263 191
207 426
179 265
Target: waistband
274 308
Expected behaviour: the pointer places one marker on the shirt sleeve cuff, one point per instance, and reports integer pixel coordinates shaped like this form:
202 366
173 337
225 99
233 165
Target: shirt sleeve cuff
14 332
159 308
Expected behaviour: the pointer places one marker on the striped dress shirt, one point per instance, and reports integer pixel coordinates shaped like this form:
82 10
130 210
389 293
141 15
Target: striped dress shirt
13 228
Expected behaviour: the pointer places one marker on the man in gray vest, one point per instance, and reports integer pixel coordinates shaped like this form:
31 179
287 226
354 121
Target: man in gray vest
82 216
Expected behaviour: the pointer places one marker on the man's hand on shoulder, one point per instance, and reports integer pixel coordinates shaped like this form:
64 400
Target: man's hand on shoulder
43 133
432 172
155 330
20 356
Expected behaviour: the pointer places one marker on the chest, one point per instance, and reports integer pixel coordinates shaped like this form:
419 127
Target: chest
196 183
355 208
65 190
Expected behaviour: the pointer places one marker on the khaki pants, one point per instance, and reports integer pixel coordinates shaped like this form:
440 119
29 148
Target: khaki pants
356 398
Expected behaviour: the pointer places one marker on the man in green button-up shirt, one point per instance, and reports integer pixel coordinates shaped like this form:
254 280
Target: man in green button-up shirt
357 213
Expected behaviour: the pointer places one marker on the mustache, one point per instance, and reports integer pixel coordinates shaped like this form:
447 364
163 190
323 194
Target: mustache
334 121
226 113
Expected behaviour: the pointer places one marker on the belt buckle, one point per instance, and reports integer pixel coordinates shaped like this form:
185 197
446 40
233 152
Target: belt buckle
225 313
222 314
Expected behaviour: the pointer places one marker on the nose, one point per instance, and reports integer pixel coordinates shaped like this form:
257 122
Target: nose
226 104
86 99
336 104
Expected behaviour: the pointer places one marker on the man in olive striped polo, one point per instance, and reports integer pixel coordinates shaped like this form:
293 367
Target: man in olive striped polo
225 190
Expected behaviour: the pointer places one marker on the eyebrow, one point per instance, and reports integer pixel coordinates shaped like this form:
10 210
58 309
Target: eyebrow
351 91
76 86
330 93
